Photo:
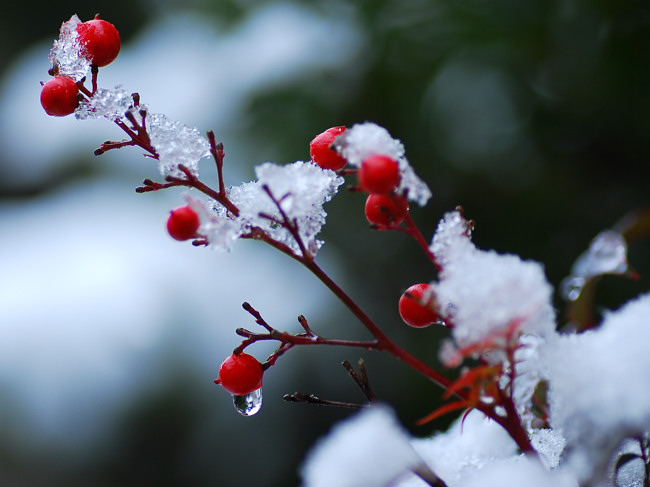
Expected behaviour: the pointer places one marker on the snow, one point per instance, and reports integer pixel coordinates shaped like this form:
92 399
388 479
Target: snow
366 139
302 188
483 292
176 144
105 103
369 449
67 54
599 385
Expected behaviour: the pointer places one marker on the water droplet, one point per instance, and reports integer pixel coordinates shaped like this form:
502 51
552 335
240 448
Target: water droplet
248 404
607 254
571 287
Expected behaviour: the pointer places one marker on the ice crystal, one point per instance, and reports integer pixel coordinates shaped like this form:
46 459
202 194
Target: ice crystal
366 139
300 188
176 144
369 449
67 55
105 103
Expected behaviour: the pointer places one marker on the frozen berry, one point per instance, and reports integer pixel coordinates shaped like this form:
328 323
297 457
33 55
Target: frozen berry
240 374
183 223
321 152
417 306
387 210
59 96
379 174
101 41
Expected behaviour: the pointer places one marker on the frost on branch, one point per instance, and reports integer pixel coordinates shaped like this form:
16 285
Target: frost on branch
300 188
67 54
176 144
370 449
105 103
483 292
599 385
364 140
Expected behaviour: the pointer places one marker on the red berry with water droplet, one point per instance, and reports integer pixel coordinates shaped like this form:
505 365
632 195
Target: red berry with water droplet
60 96
183 223
321 152
240 374
101 41
386 210
417 306
379 174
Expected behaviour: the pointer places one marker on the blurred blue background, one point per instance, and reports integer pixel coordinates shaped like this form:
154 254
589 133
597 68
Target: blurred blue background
532 115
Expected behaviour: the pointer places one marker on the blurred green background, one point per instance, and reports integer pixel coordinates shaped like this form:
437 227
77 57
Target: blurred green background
533 115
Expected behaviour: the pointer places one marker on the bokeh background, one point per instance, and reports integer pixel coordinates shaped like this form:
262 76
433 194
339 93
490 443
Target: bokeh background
533 116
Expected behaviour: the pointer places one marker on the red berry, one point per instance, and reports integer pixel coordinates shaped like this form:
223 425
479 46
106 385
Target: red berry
240 374
183 223
321 152
101 41
387 210
59 96
416 306
379 174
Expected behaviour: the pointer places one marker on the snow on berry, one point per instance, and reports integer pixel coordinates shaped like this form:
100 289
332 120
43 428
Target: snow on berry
367 139
216 228
66 55
100 41
417 306
386 210
369 449
59 96
240 374
183 223
322 153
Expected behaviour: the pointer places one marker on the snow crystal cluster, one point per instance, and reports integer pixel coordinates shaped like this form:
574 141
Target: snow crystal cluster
366 139
300 189
483 292
67 54
105 103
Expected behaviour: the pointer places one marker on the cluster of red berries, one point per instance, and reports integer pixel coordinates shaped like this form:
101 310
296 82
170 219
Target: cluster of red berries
379 176
101 45
240 374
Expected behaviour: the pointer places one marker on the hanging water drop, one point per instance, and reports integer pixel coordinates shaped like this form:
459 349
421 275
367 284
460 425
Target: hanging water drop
571 288
248 404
